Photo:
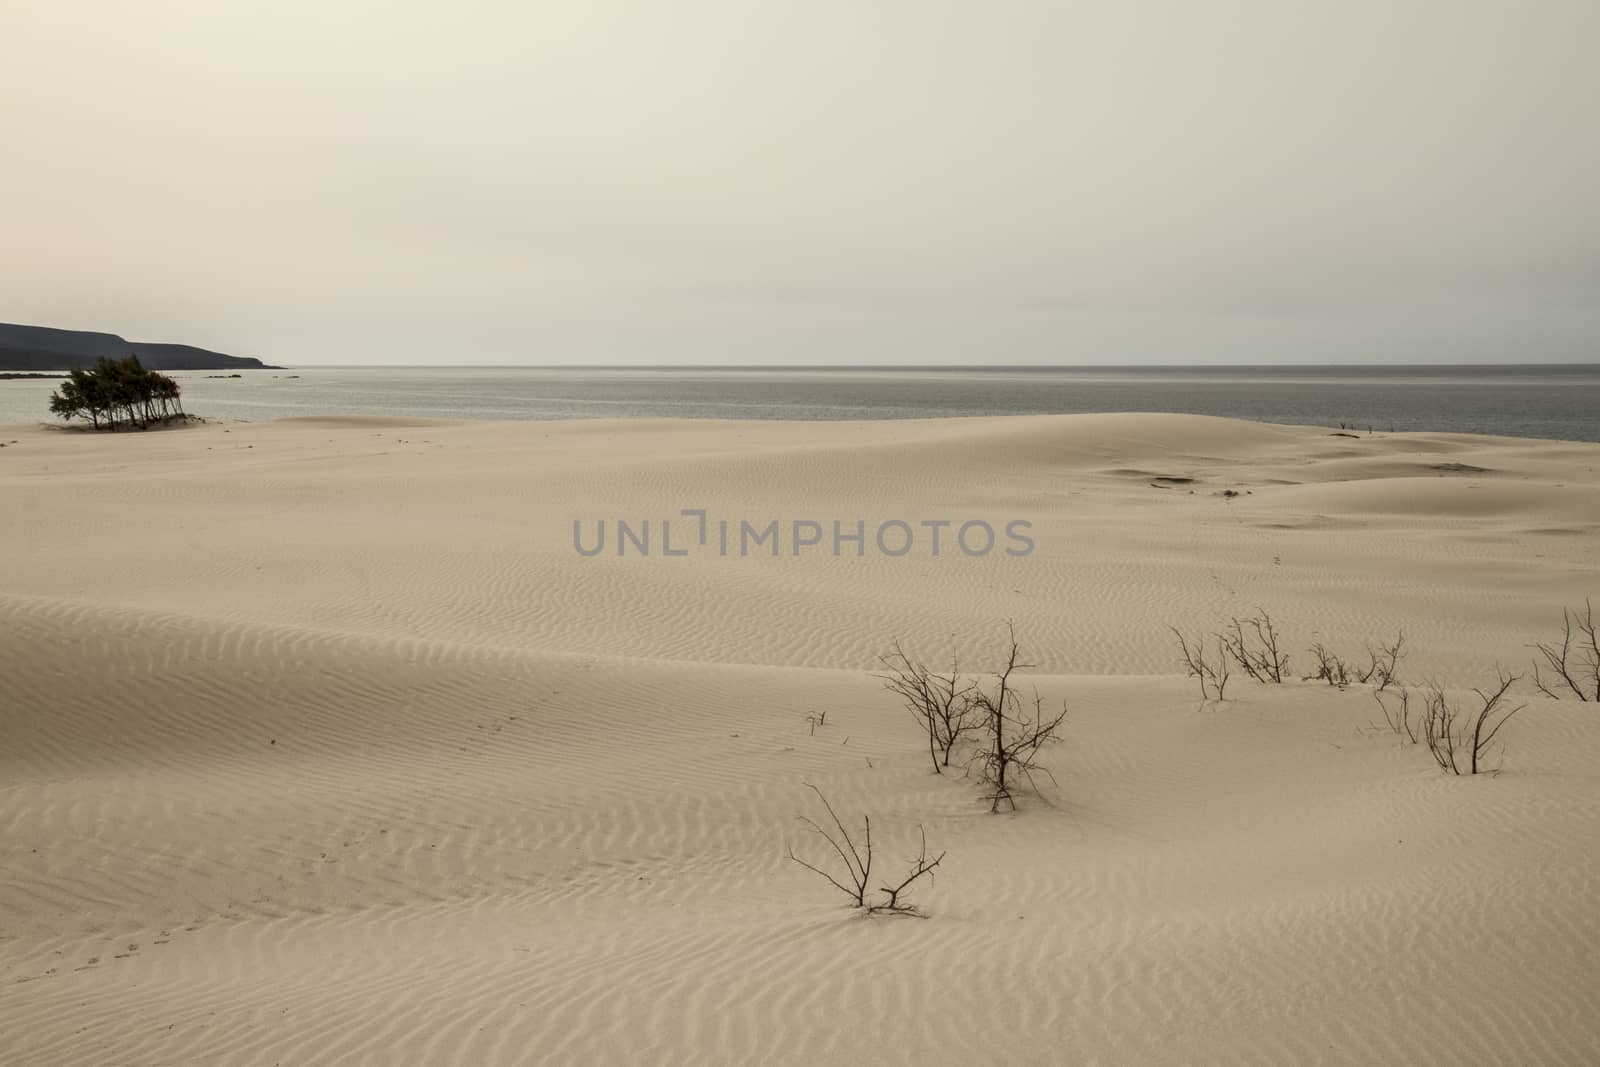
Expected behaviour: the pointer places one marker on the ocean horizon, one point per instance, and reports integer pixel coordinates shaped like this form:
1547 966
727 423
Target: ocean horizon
1553 401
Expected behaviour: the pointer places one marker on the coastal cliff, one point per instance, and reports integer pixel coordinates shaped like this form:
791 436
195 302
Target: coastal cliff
42 348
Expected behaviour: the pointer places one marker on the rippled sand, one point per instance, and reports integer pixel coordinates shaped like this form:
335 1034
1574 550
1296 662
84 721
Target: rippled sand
320 742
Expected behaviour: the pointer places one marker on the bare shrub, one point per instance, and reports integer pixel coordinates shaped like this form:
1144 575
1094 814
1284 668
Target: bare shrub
1576 664
1213 674
1439 730
1193 659
920 865
1398 716
942 703
1260 659
1383 661
855 878
1458 736
1012 734
1220 673
1330 668
1253 643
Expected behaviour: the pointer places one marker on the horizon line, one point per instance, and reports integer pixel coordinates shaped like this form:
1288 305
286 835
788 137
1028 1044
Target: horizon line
982 367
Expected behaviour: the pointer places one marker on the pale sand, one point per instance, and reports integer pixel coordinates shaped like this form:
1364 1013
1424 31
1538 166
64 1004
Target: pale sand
319 743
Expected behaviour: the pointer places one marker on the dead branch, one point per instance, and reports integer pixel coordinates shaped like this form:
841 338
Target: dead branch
1576 665
1439 729
1270 660
1234 644
1195 660
1264 663
1399 716
1490 718
1455 737
857 863
920 866
1383 661
1220 673
1211 675
1330 668
858 867
942 703
1013 737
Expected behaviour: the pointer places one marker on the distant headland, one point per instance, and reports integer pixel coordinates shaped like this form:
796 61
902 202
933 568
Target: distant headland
42 348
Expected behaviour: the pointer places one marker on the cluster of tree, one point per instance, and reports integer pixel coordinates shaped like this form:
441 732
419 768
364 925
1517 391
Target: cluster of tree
117 393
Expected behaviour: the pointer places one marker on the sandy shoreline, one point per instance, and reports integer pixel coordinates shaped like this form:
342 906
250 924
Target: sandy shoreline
321 742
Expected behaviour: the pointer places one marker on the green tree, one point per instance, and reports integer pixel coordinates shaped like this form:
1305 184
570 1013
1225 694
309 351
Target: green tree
117 393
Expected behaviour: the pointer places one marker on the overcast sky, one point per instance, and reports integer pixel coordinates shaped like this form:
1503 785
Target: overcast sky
685 181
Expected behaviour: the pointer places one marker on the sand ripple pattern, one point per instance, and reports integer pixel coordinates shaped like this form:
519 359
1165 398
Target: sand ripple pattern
318 745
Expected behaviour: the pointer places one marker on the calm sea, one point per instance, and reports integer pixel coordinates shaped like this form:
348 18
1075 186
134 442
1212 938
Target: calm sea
1523 401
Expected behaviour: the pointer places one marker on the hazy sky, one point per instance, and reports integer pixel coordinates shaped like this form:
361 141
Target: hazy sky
674 181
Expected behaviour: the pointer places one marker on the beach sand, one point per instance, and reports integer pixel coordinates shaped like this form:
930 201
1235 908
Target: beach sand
321 743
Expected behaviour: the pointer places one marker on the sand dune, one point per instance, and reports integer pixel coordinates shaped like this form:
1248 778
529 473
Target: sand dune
320 742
